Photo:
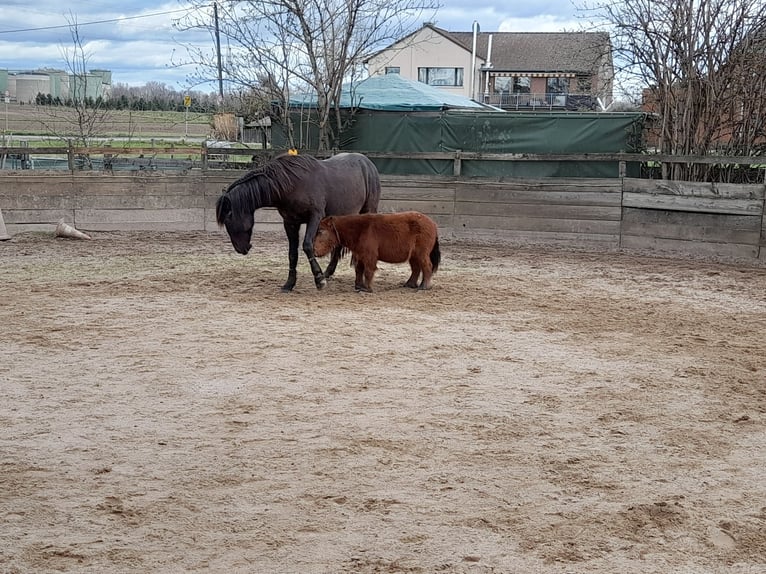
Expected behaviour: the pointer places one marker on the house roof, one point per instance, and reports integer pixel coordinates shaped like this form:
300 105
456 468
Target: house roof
392 92
536 51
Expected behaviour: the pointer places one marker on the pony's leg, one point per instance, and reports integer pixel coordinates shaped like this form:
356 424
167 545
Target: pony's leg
412 282
330 269
369 272
292 230
359 281
428 272
308 248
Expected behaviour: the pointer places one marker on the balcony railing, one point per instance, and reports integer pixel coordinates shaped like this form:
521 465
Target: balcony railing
571 102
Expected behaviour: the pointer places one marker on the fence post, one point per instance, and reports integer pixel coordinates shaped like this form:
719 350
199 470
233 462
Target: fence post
203 155
70 155
457 167
623 168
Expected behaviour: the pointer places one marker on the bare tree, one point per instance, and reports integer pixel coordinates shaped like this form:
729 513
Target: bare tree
702 64
277 47
90 114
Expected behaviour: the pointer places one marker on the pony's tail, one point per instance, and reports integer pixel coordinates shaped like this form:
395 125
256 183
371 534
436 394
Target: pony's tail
435 255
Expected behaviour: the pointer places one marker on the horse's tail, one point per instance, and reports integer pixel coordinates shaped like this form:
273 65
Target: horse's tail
435 255
373 186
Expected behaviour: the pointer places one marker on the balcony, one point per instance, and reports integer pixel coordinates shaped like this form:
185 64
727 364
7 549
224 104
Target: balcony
526 102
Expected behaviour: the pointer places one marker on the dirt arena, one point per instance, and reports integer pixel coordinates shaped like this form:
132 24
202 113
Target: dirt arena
165 408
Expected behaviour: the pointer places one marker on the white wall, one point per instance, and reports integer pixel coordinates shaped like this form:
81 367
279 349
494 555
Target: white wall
428 49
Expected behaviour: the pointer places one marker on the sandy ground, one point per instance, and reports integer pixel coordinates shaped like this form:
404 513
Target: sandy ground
165 408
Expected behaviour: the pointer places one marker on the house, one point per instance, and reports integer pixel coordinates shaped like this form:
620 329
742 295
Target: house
511 70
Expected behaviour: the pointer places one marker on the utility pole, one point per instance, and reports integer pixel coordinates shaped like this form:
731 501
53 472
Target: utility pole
218 54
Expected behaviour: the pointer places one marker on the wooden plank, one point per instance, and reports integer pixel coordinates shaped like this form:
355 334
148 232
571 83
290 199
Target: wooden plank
702 249
117 188
609 241
696 204
126 186
484 195
37 216
35 187
537 224
140 219
416 180
451 155
547 184
16 228
428 207
744 229
433 194
548 211
38 201
143 201
694 189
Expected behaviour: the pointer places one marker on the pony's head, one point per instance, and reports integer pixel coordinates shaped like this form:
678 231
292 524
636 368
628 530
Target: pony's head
326 238
238 223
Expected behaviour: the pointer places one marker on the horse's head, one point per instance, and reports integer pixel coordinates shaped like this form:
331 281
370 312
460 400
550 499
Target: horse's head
239 226
326 238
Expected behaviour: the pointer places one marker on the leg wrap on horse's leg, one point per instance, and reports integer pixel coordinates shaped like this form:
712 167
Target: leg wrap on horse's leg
319 278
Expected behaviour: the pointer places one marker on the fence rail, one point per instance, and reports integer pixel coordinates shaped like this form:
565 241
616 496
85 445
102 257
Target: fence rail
207 157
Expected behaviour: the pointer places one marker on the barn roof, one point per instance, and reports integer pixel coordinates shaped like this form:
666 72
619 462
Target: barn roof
392 92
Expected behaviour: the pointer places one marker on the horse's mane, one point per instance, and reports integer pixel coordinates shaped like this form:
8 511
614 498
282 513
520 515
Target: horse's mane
266 185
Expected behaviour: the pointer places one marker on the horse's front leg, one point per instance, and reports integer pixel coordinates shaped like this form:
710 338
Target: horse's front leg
292 230
308 248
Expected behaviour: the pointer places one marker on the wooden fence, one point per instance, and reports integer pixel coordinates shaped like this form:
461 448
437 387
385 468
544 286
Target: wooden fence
211 157
724 221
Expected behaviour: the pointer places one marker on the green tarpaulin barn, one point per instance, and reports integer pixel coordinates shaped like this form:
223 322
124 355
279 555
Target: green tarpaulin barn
394 114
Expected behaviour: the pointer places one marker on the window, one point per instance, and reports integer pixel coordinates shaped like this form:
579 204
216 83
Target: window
392 69
557 86
522 85
556 90
441 76
502 84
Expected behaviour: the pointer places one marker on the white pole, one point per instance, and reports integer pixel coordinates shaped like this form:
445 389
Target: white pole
488 65
472 95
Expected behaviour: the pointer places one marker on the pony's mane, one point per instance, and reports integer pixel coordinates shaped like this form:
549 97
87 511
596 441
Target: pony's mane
267 184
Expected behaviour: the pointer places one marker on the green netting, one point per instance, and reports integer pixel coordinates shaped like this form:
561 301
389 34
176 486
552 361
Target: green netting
487 132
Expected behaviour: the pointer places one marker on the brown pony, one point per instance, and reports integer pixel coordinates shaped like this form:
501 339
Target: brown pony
390 237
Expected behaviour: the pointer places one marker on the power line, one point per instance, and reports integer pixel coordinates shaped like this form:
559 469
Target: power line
78 24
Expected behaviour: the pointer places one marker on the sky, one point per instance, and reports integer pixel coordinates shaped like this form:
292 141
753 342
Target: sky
138 42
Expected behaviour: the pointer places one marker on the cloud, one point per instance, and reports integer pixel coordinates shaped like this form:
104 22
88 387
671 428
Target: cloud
136 50
501 16
540 23
139 50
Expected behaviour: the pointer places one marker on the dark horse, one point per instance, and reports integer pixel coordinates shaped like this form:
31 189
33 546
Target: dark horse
391 237
303 189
